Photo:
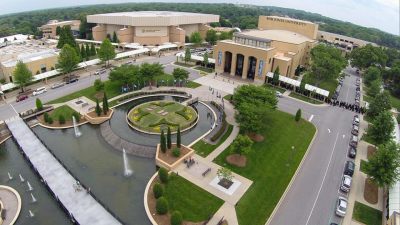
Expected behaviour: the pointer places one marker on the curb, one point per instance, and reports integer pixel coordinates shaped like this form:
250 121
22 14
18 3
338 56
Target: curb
60 128
293 178
146 206
319 105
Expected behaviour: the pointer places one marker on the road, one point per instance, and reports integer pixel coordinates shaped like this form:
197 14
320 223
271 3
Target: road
11 108
311 200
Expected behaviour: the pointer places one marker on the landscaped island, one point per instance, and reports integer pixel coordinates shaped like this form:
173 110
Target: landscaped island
154 116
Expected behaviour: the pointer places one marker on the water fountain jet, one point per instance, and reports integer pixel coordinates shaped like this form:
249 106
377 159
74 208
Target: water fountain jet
127 169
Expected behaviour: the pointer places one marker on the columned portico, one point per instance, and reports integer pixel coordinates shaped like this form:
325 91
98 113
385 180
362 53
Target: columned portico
233 64
245 67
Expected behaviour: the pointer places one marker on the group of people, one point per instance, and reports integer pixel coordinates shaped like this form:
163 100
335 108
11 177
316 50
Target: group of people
350 106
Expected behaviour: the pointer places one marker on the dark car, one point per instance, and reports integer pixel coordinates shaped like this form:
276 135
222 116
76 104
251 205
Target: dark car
352 152
354 131
353 141
71 80
21 98
349 168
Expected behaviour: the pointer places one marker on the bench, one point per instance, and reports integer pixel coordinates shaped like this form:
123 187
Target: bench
206 172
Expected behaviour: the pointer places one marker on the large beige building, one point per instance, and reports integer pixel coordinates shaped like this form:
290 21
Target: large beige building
345 42
39 57
279 42
150 27
49 29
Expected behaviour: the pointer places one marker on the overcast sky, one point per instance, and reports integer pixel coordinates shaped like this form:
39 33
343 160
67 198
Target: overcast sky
381 14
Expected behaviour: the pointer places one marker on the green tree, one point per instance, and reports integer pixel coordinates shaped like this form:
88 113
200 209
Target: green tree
92 50
98 85
224 173
176 218
302 88
163 175
368 55
163 144
372 74
241 145
66 37
77 116
67 60
275 78
169 138
39 105
115 38
188 55
298 115
158 190
374 87
380 103
382 167
83 52
161 206
149 71
125 74
61 119
98 109
251 118
196 39
106 51
225 35
58 30
205 59
381 129
105 104
87 51
178 138
211 37
256 95
22 75
326 63
180 74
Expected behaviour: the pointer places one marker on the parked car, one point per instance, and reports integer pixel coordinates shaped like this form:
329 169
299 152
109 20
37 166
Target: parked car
39 91
341 206
352 152
356 120
57 85
355 129
21 98
100 71
71 80
349 168
128 63
278 94
346 183
353 141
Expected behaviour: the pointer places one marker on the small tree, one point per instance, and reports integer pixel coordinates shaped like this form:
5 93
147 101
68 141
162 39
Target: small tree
275 78
163 175
92 50
22 75
380 103
374 87
196 39
77 116
163 144
98 109
188 55
225 173
46 117
241 145
161 206
176 218
180 74
178 138
169 138
67 60
381 129
61 119
298 115
105 104
39 105
158 190
98 85
83 52
205 59
87 51
115 38
50 120
106 51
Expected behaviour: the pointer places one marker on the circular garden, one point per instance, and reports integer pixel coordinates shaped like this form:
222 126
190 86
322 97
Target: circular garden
152 117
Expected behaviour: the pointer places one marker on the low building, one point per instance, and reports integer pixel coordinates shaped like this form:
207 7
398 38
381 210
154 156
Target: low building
49 29
279 42
344 42
150 27
39 57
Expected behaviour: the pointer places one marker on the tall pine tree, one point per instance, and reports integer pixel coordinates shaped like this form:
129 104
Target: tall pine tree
178 137
169 138
162 142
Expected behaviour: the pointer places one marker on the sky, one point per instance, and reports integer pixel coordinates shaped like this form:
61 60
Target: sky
381 14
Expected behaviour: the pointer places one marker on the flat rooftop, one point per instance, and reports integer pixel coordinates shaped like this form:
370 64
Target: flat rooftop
320 32
275 35
152 18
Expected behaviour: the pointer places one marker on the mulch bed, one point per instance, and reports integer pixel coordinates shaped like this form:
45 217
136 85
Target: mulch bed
370 192
256 137
161 219
370 151
171 159
56 124
237 160
93 114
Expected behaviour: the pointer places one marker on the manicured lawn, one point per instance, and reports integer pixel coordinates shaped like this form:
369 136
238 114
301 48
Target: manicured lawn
275 88
329 85
194 203
64 110
305 98
271 165
203 148
362 165
204 69
366 214
189 65
110 89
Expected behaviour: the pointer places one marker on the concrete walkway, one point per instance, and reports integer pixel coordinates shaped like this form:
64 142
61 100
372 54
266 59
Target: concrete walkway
81 205
11 201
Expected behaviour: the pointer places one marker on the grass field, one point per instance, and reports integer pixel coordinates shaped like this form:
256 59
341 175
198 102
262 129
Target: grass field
194 203
64 110
366 214
305 98
329 85
204 69
271 165
275 88
204 149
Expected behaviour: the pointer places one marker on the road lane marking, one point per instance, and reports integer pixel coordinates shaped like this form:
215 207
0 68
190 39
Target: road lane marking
344 136
13 108
329 130
323 180
311 117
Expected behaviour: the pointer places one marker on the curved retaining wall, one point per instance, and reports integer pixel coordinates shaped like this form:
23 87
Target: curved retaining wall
19 202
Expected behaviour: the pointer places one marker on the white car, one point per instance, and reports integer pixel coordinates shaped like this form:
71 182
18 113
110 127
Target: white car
57 85
39 91
346 183
100 71
278 94
341 206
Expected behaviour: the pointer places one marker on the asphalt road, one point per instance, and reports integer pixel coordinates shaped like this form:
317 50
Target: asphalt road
311 199
11 108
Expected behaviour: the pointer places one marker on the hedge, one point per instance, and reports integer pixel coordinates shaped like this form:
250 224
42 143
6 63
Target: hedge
162 206
163 121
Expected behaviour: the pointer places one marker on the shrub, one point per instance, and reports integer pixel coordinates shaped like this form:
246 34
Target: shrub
176 218
61 119
169 138
178 138
158 190
176 152
163 145
162 206
98 109
39 105
77 116
46 117
163 175
50 120
98 85
298 115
